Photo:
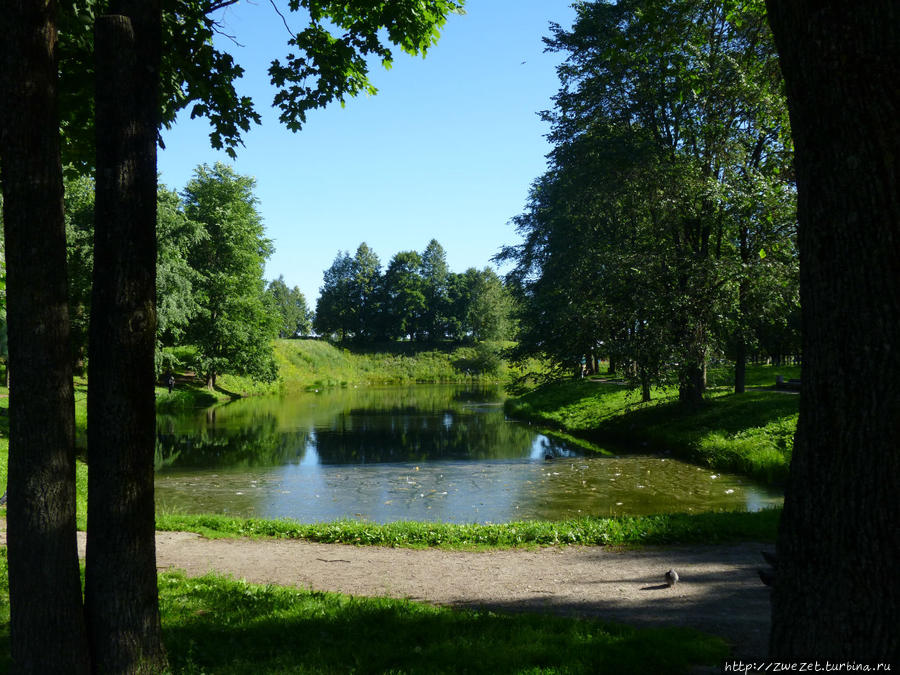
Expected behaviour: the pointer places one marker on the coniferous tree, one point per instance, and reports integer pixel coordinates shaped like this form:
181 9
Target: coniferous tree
334 308
435 288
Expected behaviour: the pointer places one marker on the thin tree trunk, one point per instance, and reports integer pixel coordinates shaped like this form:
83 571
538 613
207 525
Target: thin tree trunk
740 358
120 581
46 614
740 366
837 595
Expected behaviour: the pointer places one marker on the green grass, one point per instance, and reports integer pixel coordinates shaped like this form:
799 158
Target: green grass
750 433
317 364
307 364
680 528
220 625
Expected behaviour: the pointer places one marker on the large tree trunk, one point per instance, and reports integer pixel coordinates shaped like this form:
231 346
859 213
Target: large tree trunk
120 581
837 595
46 613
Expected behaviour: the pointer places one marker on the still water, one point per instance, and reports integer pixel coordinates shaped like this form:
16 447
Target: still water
439 453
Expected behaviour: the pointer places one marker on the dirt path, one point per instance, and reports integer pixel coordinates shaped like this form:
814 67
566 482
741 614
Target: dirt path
719 591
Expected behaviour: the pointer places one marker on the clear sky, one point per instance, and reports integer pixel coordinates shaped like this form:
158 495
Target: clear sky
447 149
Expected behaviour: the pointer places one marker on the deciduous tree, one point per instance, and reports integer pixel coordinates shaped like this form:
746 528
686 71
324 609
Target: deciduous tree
290 304
234 326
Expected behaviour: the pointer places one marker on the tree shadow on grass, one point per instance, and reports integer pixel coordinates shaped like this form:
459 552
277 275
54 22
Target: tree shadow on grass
229 394
219 625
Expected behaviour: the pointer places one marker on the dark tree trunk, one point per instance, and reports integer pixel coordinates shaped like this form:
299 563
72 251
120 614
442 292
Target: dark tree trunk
46 614
740 357
692 384
120 581
837 595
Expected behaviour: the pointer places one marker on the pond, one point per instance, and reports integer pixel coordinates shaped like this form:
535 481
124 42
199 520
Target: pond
424 452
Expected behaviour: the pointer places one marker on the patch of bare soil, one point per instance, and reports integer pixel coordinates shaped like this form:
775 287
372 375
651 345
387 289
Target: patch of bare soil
719 591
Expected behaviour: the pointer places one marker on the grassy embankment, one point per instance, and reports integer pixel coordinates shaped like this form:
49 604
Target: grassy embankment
751 433
316 364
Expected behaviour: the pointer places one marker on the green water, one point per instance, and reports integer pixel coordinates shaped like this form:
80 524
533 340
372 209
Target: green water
424 452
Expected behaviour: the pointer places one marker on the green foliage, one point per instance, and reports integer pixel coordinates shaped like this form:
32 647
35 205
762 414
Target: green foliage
404 305
195 75
290 303
234 325
670 171
490 307
176 236
417 298
329 68
366 294
79 216
435 277
334 308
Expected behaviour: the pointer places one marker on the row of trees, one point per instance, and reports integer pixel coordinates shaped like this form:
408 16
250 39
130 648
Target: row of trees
210 290
664 231
417 297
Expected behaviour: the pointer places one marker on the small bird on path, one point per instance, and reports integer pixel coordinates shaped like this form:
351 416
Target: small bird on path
671 578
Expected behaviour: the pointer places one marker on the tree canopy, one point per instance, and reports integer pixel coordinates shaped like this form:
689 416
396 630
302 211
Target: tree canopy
233 327
669 190
416 298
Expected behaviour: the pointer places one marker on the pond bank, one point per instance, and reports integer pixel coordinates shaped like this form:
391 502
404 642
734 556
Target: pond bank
309 364
749 433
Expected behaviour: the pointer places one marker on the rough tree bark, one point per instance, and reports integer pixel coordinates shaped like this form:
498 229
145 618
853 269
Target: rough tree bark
46 615
837 594
120 581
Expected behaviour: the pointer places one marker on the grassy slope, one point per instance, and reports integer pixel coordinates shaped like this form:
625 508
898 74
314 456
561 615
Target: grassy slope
312 364
750 433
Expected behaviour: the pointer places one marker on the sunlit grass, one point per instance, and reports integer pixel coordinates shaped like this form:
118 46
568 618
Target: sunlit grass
751 433
676 528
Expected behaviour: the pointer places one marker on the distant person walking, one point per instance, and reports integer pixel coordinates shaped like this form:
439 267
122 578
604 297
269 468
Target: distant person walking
171 382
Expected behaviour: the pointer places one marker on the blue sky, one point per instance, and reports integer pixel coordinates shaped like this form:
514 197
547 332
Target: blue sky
447 149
